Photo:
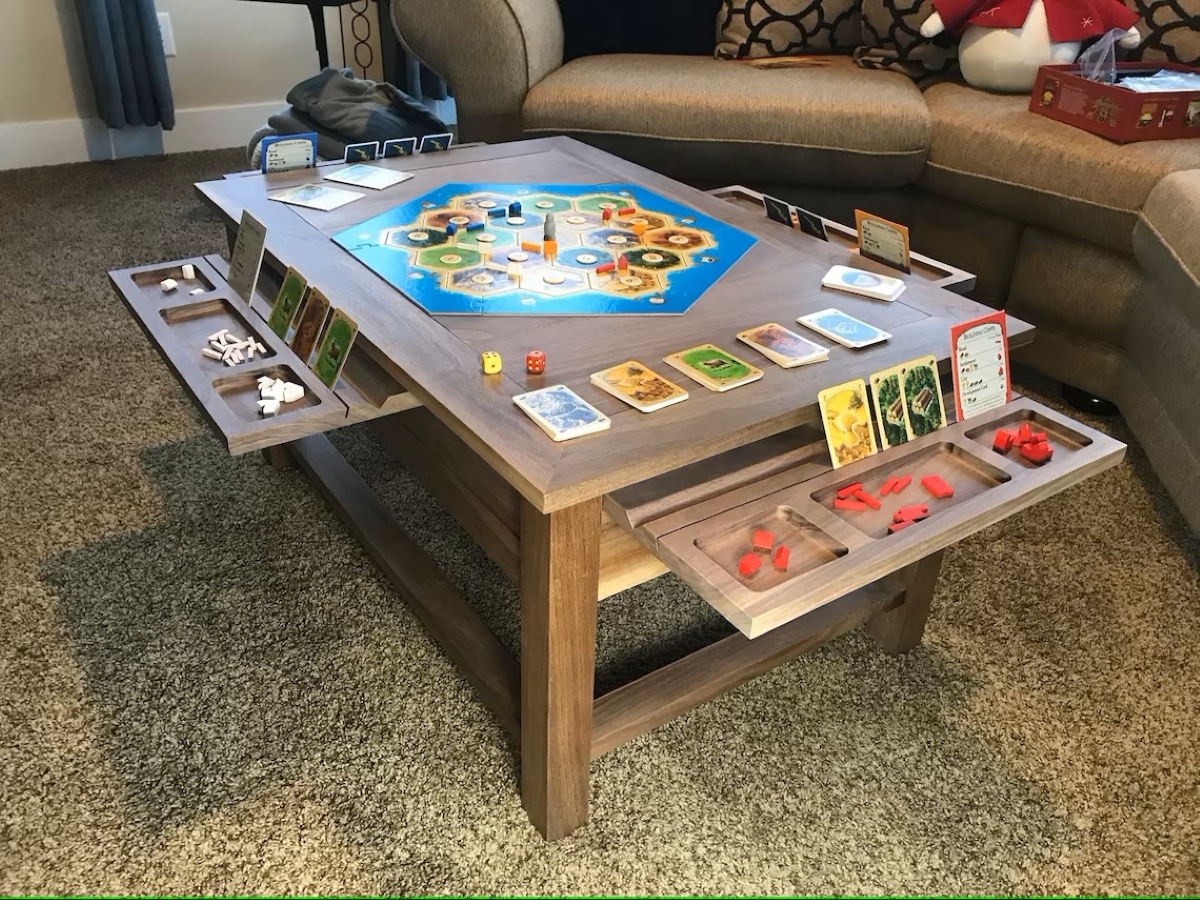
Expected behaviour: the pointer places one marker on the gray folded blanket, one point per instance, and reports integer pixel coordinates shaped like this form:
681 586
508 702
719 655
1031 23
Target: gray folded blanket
357 109
290 120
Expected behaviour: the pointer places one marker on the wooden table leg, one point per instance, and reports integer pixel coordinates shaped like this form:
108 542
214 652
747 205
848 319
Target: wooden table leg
899 628
560 575
278 457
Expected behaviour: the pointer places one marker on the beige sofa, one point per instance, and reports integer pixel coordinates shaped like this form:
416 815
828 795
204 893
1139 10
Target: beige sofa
1094 242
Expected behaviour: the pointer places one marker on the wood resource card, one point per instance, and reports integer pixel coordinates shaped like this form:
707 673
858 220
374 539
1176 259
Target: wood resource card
561 413
923 395
979 357
887 387
847 419
287 302
246 261
334 347
640 387
713 367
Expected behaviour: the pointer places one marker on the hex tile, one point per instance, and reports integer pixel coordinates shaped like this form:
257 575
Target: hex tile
479 280
449 257
597 202
604 237
414 236
646 282
654 258
584 257
440 218
554 280
677 239
545 203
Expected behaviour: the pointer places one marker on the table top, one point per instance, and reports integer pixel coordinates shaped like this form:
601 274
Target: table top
437 358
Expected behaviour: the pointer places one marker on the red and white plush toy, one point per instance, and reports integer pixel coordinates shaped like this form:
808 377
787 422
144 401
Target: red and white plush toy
1005 41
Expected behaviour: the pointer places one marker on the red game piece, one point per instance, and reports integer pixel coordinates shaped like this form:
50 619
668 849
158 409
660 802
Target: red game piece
781 557
626 210
622 262
1024 433
886 487
1037 452
1038 437
1003 441
856 505
848 490
896 526
868 499
749 564
606 214
937 486
535 362
763 539
605 267
912 511
901 483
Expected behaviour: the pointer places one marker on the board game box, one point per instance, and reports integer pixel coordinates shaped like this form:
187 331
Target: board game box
480 249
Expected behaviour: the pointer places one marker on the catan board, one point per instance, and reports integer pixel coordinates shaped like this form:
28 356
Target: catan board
672 254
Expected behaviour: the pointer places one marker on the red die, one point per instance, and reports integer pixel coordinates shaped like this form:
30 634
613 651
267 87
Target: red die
535 362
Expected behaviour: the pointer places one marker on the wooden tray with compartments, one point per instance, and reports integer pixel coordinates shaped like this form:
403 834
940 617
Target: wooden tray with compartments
701 531
177 322
924 268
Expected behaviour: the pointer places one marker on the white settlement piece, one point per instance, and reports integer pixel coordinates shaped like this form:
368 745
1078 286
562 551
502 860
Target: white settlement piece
168 284
189 272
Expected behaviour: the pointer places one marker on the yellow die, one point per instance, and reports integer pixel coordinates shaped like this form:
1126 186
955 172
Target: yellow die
490 360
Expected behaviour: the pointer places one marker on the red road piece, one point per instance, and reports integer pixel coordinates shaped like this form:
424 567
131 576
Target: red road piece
868 499
937 486
1039 452
626 210
763 539
848 490
886 487
781 557
1003 441
605 267
912 511
749 564
851 504
897 526
901 483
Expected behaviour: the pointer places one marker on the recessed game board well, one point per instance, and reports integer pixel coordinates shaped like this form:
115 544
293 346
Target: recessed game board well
240 393
1062 439
969 475
150 281
191 323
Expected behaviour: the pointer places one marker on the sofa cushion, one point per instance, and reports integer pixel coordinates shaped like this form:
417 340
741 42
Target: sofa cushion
1169 218
891 38
1169 31
751 29
989 150
825 121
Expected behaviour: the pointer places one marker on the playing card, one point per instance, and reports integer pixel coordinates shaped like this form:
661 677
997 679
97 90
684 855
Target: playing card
638 386
287 302
364 152
778 211
334 347
863 283
923 395
432 143
314 196
783 346
372 177
891 411
847 419
810 223
399 147
846 330
309 324
561 413
713 367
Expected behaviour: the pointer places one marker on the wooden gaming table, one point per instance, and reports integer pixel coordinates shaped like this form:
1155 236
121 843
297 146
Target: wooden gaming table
576 522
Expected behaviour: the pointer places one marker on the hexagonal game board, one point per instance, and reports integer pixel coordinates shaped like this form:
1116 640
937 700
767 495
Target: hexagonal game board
673 253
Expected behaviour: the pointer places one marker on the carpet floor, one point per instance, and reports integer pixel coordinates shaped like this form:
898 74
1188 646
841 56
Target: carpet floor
205 686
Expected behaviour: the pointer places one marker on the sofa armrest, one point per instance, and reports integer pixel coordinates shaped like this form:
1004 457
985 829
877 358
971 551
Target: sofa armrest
490 52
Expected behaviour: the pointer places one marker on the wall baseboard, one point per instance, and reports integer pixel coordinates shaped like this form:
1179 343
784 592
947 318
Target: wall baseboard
50 143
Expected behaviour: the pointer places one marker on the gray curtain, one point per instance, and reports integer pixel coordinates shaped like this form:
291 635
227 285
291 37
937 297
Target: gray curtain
126 62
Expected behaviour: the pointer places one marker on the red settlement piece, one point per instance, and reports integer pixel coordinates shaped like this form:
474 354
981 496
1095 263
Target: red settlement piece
848 490
1037 437
1024 434
763 539
937 486
781 557
749 564
868 499
901 483
1037 452
851 504
1003 441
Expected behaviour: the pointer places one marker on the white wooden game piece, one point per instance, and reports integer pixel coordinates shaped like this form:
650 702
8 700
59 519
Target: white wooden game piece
268 392
217 345
292 392
238 356
189 272
216 335
250 351
169 284
268 407
211 353
279 383
262 351
229 361
264 380
196 291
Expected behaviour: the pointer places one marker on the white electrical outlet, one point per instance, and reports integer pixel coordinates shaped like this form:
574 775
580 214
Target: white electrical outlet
168 34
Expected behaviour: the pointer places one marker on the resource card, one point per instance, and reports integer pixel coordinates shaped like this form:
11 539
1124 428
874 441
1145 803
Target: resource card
923 395
640 387
283 152
847 419
863 283
561 413
794 217
713 367
309 324
783 346
372 177
883 241
397 147
891 412
247 257
287 302
433 143
845 329
979 354
334 347
367 151
314 196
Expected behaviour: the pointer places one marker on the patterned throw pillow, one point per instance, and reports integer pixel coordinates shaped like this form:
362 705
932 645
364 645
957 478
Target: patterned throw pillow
1170 31
891 39
751 29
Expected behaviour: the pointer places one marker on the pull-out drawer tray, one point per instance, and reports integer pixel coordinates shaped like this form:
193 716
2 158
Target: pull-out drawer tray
831 550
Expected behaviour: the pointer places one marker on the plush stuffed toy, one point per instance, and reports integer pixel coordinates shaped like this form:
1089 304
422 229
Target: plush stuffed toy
1005 41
